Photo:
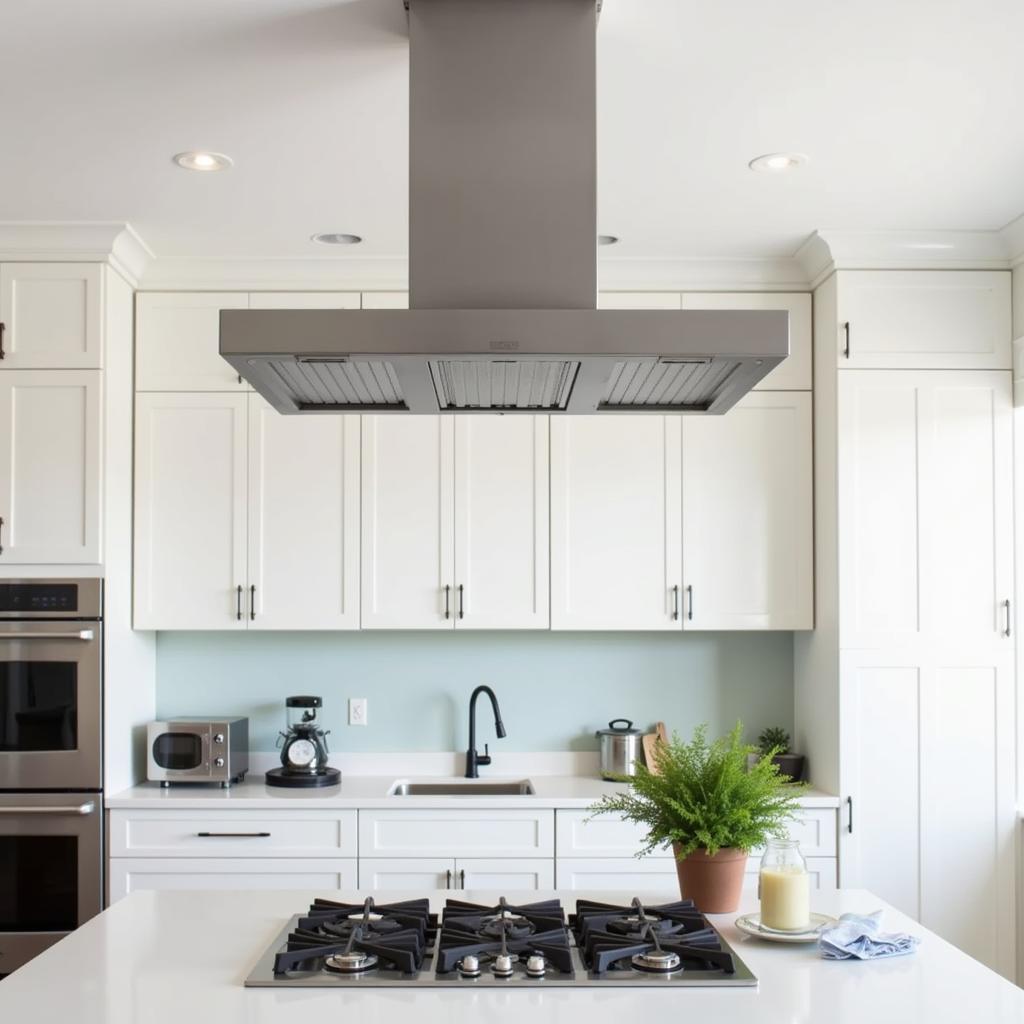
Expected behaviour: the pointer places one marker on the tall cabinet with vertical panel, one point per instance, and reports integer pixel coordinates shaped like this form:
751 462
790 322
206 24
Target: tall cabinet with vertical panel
905 692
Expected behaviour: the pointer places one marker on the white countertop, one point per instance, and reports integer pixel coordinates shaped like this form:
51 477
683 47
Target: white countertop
358 791
173 957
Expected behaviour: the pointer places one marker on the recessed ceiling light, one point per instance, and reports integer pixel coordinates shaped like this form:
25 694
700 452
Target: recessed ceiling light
201 160
776 162
607 239
336 238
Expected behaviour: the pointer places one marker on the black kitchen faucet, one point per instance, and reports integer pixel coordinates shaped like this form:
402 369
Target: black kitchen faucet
473 759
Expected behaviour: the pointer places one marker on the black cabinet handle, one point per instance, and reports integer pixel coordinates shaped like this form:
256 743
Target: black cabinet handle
252 603
846 346
233 835
1 534
675 603
689 603
448 879
3 327
462 609
1006 605
447 601
238 603
462 878
849 822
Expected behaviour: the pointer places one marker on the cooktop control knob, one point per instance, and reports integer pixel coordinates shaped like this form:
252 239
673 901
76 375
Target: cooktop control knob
536 966
219 738
469 967
219 762
502 967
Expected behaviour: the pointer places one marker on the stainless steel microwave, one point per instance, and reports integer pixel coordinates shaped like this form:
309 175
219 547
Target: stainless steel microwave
198 750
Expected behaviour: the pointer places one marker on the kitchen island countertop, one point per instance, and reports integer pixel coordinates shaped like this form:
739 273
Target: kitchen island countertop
168 957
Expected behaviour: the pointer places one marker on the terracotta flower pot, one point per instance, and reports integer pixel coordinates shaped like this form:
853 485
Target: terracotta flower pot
713 883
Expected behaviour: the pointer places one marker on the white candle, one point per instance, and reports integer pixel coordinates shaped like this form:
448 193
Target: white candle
785 898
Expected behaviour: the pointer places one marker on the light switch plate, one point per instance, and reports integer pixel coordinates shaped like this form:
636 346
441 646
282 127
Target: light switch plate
357 711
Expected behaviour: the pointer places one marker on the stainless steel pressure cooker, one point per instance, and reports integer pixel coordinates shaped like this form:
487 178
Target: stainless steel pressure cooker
620 748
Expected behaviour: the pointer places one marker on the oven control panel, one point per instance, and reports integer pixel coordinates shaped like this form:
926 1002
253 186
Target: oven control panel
38 597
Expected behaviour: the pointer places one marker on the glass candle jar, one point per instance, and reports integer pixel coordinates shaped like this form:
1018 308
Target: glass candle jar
784 887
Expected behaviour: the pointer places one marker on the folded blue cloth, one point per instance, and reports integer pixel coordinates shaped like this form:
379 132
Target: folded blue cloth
856 936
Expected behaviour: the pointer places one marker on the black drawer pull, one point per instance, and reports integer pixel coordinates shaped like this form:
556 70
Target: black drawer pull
233 835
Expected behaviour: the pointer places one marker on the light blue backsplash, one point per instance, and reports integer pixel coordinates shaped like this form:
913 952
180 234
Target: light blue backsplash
555 689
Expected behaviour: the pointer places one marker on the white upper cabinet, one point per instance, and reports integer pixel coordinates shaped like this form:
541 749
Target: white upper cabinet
303 525
304 300
190 512
51 315
385 300
748 555
925 508
638 300
918 319
795 372
50 498
177 341
407 522
501 522
616 535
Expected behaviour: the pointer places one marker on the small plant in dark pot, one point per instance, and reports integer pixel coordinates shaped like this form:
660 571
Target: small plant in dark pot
702 799
774 742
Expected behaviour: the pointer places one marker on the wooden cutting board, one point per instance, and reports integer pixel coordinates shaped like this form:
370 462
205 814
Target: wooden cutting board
650 742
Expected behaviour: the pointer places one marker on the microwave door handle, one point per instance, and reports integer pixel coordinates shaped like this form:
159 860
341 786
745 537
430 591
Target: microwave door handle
81 809
82 634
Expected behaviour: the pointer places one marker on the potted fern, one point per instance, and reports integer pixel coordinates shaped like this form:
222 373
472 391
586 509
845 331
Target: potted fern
774 743
702 798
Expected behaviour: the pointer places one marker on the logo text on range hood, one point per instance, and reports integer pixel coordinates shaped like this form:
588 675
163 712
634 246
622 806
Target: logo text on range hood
503 253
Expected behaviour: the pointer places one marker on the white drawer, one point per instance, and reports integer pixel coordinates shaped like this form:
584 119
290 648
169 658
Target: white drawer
609 836
131 874
458 833
176 833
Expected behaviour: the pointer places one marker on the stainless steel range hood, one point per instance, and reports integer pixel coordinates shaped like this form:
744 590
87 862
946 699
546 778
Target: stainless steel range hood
503 253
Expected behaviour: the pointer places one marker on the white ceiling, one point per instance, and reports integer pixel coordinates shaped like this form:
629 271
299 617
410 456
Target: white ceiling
908 109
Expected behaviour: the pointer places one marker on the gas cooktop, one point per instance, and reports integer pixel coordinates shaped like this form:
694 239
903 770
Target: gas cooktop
517 945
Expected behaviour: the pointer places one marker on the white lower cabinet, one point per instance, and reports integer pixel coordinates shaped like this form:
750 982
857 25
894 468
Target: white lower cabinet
414 873
478 833
131 874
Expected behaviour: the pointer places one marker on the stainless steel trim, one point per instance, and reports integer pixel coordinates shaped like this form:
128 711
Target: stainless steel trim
90 599
82 634
81 809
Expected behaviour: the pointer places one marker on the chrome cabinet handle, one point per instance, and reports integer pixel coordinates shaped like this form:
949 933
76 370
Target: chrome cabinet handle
447 601
462 608
849 821
80 809
1 534
3 327
448 879
675 603
689 603
846 346
462 878
232 835
252 603
238 603
81 634
1009 628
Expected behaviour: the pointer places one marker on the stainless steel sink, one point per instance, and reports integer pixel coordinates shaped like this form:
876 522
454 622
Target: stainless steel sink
463 787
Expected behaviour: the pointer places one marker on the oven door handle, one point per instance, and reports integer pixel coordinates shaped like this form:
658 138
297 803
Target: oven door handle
82 634
81 809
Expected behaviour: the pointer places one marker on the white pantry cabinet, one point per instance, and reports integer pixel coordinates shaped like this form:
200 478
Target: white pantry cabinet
190 511
134 874
50 466
928 768
925 508
454 522
303 526
748 538
51 316
177 341
616 542
795 372
260 532
922 319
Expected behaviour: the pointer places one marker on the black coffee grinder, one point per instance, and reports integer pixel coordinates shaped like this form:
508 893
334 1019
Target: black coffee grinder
303 748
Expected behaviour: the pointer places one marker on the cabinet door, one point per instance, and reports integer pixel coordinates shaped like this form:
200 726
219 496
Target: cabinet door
190 511
177 341
748 556
501 522
50 497
925 508
794 374
928 763
303 520
407 873
505 875
638 300
303 300
131 874
52 314
482 832
934 319
407 523
616 536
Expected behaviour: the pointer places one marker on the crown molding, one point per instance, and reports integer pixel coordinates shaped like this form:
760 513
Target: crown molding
112 242
828 250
